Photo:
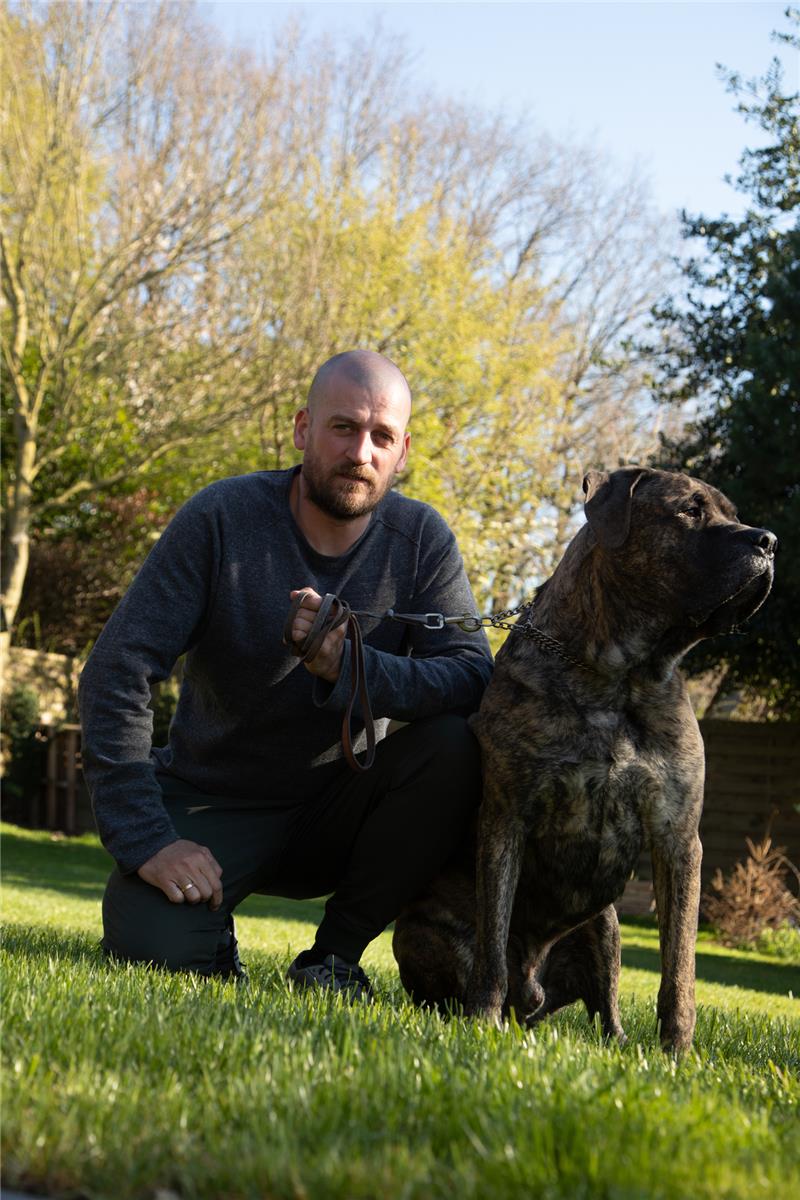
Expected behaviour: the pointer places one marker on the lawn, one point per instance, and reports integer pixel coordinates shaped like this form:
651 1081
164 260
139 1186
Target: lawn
124 1082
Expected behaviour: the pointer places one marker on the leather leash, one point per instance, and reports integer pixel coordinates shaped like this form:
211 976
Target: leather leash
334 612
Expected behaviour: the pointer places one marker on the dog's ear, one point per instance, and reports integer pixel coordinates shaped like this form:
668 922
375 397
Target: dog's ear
608 504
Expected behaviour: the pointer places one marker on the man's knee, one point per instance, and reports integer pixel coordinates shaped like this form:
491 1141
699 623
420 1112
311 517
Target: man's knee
141 925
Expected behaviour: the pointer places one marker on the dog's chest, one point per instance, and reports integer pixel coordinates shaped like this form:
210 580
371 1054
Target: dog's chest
594 794
603 764
585 832
590 808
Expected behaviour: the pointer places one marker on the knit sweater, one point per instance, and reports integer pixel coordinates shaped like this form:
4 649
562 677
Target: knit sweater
252 724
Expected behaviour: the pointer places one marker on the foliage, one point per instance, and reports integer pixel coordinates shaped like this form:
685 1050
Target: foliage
731 342
93 554
22 752
782 942
127 1081
754 897
127 172
20 713
162 703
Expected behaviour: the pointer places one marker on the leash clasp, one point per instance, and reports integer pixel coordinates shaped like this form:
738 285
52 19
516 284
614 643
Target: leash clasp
468 624
435 620
432 620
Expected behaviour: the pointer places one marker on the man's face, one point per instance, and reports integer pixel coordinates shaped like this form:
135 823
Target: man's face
353 444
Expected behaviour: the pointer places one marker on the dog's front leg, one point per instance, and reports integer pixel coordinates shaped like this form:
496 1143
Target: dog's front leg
501 838
676 880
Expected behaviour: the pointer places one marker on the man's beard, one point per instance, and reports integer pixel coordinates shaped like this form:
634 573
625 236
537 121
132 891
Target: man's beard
338 498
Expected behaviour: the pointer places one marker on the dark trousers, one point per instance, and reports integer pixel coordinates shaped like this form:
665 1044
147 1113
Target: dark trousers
373 840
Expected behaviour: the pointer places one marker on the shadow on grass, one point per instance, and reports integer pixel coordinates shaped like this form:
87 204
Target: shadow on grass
69 865
80 868
779 978
36 942
281 909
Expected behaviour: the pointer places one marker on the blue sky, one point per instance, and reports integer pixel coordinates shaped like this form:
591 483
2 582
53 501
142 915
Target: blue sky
637 78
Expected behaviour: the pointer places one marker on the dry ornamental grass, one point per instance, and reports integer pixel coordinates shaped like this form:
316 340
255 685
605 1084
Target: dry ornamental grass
754 896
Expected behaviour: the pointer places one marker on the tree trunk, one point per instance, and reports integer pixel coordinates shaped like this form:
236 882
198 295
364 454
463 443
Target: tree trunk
18 524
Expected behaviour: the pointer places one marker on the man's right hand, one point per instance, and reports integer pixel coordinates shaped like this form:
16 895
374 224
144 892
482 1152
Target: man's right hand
186 871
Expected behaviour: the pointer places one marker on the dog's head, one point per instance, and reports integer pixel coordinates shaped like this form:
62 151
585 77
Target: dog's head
680 541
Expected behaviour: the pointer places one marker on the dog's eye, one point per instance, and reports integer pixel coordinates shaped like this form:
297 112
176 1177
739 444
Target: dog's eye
694 511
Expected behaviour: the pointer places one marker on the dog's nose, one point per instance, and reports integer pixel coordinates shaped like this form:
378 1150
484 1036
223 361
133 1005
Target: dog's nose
764 539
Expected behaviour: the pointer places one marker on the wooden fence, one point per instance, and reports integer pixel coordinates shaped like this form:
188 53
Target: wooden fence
752 785
63 800
752 782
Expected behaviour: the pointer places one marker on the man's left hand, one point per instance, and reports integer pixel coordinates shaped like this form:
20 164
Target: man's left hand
327 662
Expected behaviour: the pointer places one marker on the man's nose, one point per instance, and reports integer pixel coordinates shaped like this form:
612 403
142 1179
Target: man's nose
359 449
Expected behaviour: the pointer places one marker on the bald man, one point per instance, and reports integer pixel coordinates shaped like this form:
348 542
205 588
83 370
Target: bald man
251 793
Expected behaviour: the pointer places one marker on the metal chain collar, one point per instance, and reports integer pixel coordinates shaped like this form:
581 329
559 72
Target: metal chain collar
496 620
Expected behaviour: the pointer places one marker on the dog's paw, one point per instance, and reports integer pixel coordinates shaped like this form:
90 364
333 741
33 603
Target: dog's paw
488 1008
676 1038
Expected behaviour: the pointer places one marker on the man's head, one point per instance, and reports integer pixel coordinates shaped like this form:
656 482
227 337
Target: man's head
353 433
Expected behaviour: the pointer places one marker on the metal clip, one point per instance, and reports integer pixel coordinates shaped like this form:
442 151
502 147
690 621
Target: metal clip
432 620
467 623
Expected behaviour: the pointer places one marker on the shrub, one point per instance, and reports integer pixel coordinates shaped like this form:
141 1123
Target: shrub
22 749
20 713
753 897
163 701
782 943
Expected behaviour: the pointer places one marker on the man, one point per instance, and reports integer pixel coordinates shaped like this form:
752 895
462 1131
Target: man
252 793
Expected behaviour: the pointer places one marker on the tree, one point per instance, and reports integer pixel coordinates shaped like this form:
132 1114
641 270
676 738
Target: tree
208 230
133 155
732 342
93 562
594 256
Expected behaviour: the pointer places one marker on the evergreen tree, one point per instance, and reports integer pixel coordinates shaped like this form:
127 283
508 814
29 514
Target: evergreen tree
733 343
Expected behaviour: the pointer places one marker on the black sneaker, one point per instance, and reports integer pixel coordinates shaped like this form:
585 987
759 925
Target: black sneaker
332 973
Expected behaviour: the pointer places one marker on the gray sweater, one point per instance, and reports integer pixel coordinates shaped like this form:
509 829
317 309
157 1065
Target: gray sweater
252 723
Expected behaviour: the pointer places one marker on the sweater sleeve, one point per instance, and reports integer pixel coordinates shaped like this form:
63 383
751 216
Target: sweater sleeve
446 670
160 617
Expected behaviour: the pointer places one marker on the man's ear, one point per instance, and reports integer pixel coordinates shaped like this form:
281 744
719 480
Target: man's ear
608 504
401 462
301 420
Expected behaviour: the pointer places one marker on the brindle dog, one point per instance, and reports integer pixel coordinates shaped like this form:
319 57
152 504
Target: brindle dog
591 750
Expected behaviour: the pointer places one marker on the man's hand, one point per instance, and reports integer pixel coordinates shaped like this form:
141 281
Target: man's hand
327 662
186 871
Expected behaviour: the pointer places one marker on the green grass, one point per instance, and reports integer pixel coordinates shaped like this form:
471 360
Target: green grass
123 1082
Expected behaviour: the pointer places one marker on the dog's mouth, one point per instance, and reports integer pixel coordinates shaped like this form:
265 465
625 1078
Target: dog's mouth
737 608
